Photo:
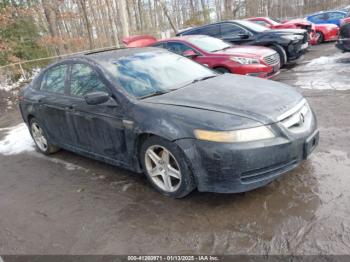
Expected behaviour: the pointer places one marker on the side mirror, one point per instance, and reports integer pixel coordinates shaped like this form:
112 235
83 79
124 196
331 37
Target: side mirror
243 35
190 54
96 98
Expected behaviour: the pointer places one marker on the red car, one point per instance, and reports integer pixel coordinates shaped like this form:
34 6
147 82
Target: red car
318 32
346 20
224 57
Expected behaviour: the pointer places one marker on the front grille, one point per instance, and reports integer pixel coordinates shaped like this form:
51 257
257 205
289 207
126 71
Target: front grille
298 119
272 59
267 172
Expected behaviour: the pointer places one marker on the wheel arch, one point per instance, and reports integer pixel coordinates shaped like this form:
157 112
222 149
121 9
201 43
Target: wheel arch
29 118
222 66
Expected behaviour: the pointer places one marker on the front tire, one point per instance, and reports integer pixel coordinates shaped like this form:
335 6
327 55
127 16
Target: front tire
40 138
166 167
282 53
320 39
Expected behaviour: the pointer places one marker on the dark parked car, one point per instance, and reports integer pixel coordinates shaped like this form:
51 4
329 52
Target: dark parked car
344 38
182 124
289 43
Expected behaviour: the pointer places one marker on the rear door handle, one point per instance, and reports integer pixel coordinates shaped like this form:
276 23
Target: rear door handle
71 107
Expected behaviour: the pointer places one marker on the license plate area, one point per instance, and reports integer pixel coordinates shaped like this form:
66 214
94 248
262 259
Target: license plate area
311 143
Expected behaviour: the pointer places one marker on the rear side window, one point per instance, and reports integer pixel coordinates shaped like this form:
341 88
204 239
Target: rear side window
260 22
211 30
85 80
318 17
54 79
178 48
336 15
160 45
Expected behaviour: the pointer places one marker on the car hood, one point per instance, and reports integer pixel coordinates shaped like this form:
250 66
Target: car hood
299 21
257 99
247 50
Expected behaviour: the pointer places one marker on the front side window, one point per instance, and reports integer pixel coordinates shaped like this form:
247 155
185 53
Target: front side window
85 80
146 73
54 79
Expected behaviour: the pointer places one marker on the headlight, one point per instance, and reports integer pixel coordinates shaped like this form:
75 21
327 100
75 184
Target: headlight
292 37
242 135
244 60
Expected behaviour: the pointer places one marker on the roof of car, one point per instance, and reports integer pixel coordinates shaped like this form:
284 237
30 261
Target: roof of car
182 38
326 12
201 26
113 54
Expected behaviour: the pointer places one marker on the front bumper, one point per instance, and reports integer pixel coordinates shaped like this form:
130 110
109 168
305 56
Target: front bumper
257 70
241 167
296 50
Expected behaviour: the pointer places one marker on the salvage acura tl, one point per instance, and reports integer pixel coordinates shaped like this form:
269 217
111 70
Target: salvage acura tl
182 124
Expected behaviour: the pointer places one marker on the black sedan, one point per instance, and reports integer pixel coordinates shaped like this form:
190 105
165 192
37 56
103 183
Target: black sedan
183 125
344 38
289 43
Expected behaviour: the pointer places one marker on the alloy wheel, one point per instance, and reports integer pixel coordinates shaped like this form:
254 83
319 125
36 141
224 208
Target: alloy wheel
162 168
39 137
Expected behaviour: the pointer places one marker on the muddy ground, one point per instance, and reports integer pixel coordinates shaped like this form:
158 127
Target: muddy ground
67 204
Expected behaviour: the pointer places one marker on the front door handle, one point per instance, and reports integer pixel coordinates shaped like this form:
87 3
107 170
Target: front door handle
71 107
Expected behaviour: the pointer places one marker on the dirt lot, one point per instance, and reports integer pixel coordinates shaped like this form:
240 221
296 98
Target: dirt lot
67 204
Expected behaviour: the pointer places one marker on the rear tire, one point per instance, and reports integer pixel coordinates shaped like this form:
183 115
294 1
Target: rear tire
166 167
282 53
40 138
320 39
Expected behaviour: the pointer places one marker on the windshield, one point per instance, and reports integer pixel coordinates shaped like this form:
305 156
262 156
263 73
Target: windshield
253 26
275 21
209 44
147 73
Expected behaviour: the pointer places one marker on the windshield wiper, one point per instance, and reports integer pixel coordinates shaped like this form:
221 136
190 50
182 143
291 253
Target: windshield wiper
157 93
198 80
222 49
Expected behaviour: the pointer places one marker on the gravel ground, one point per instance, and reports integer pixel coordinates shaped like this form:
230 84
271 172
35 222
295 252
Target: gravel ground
67 204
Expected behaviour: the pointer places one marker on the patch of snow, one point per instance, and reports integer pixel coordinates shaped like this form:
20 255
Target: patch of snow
69 166
8 85
324 73
16 141
323 60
